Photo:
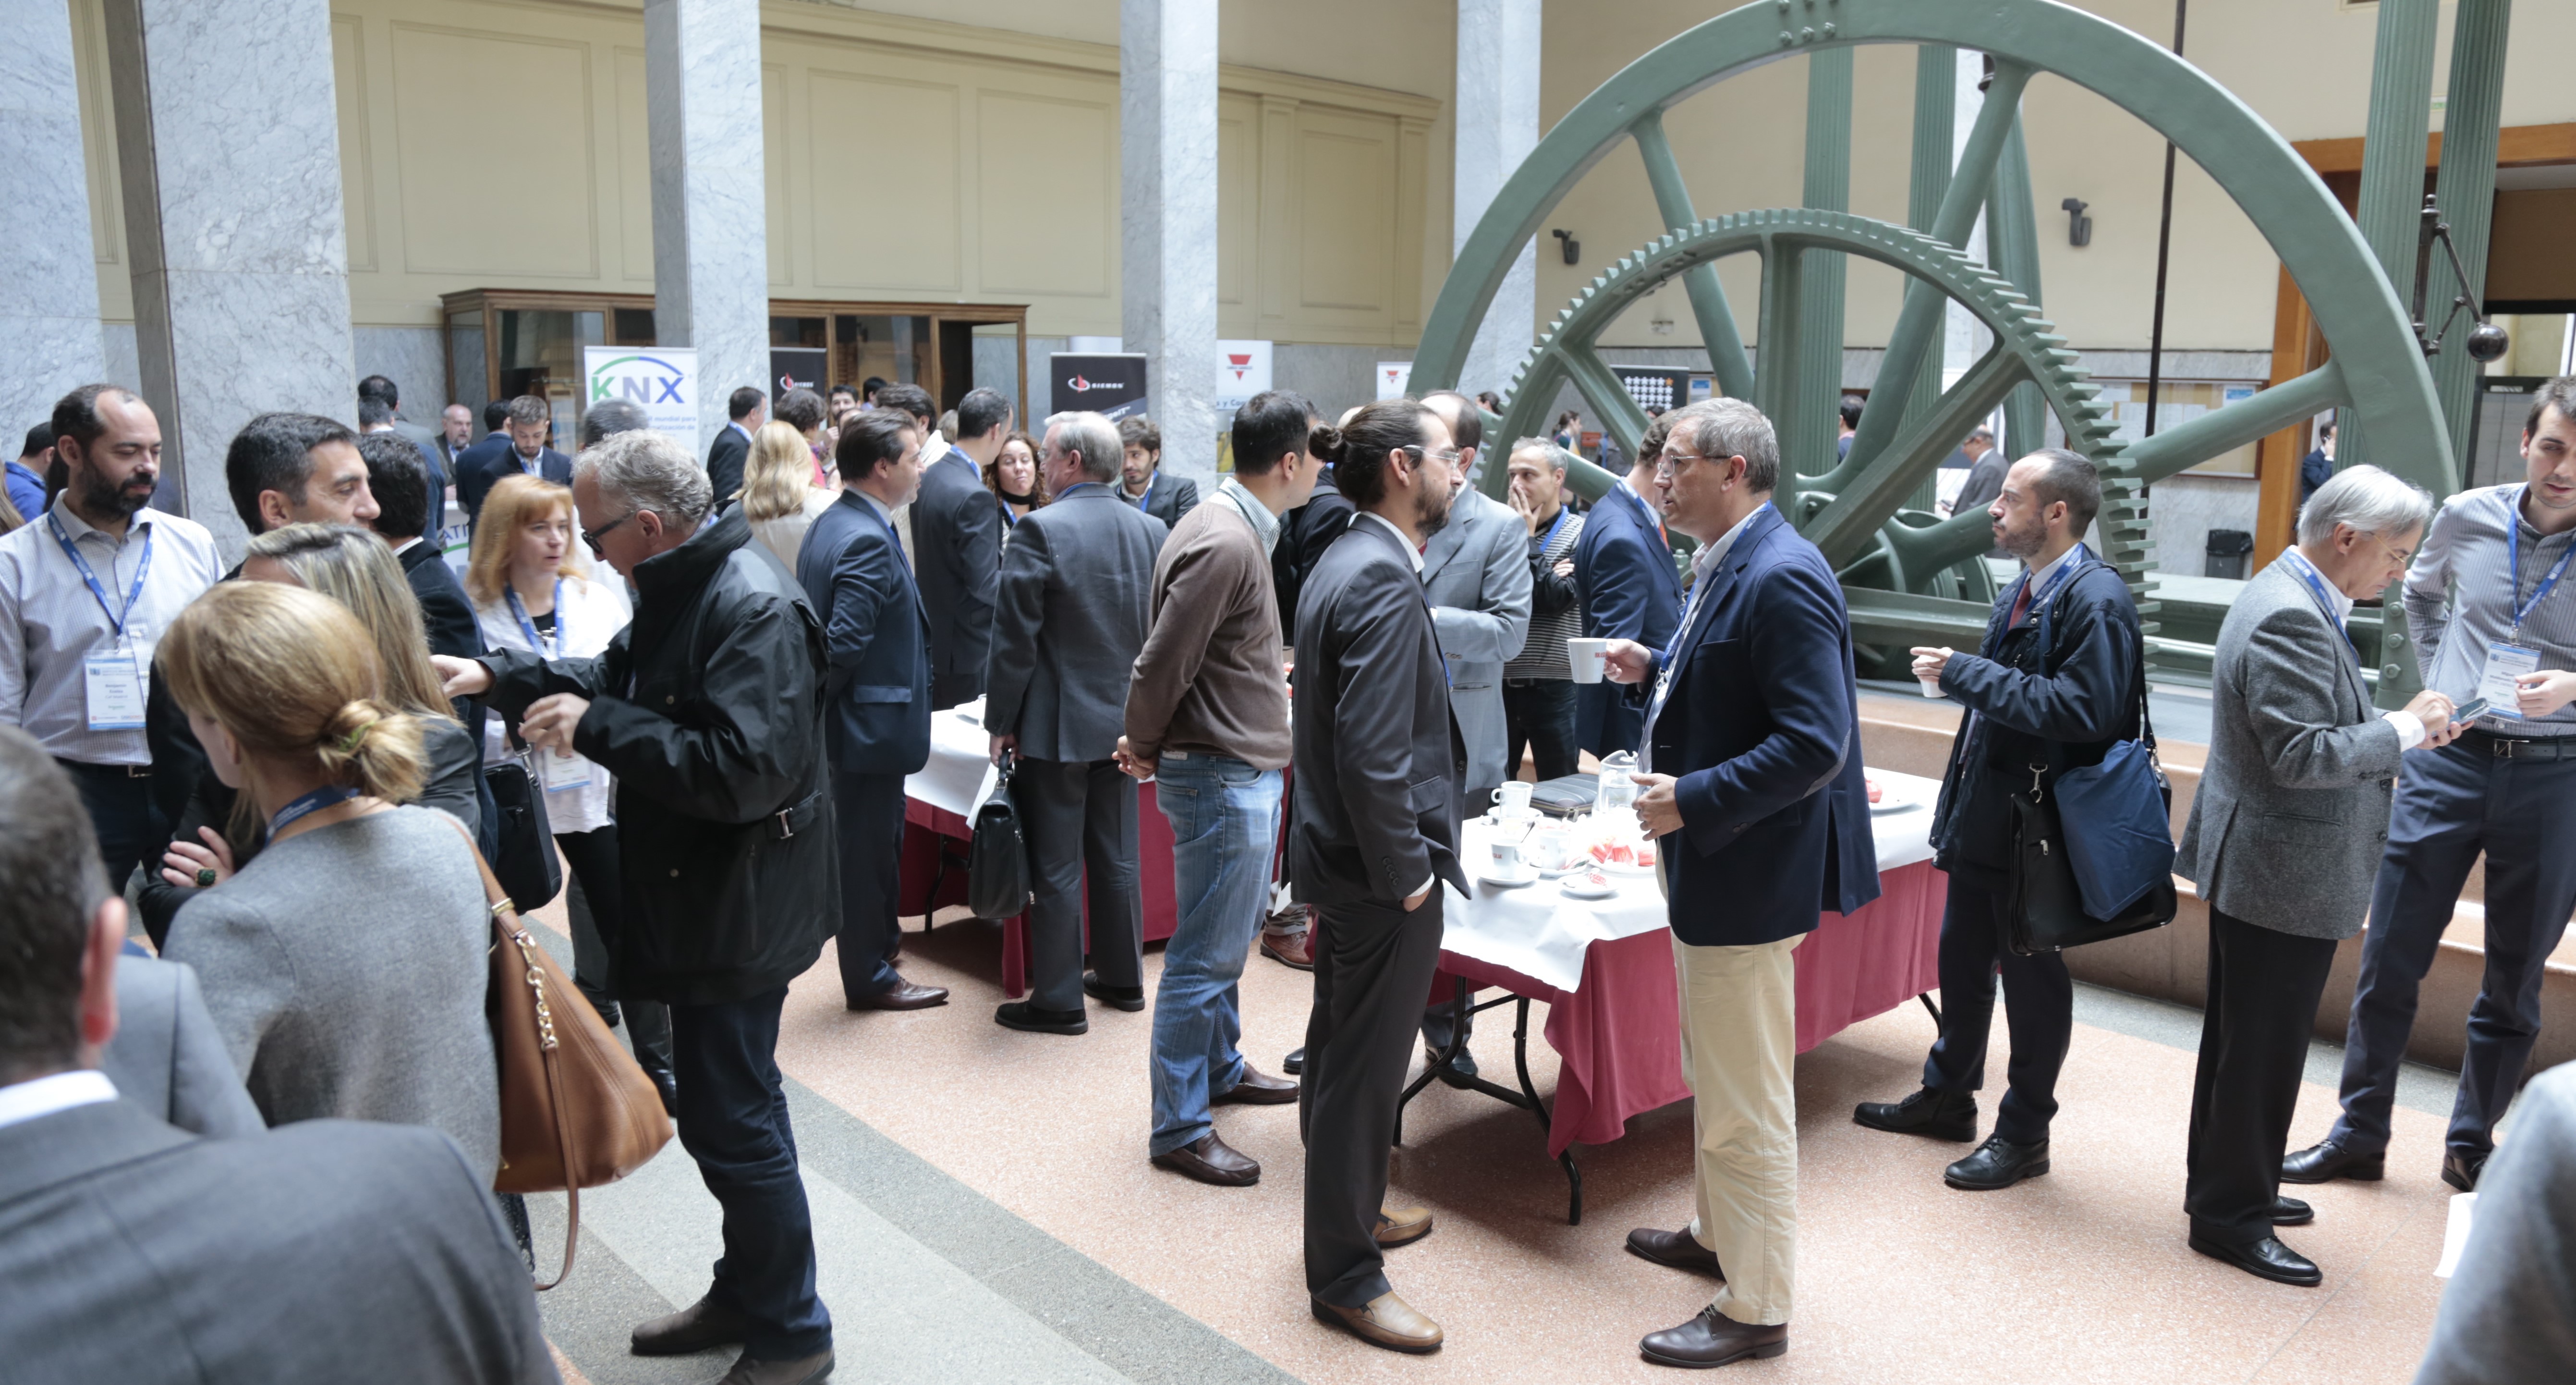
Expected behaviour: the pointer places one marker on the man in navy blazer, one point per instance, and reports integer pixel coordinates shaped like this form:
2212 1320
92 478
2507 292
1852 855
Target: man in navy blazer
1751 772
529 422
1625 582
876 691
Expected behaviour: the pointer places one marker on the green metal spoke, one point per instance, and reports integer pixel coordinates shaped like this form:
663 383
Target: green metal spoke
2224 430
1707 296
1846 527
1776 385
1621 416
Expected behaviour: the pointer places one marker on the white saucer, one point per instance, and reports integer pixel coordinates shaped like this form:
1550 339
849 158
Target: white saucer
1892 805
1573 887
1506 882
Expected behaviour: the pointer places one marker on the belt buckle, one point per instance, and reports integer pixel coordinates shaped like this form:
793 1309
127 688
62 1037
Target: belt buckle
138 771
785 831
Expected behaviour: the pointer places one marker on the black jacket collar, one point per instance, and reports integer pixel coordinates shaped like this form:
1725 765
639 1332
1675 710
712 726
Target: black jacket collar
680 572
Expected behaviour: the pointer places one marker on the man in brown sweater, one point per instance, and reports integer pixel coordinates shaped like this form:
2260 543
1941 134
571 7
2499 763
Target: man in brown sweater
1207 719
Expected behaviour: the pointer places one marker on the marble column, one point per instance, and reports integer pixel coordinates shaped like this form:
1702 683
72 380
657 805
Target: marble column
233 226
1167 217
710 209
49 339
1497 109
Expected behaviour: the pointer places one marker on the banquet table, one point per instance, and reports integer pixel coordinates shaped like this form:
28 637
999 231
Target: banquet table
937 816
1605 970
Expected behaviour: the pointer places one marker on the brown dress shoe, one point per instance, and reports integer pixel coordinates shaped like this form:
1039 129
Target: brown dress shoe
1387 1322
702 1326
1256 1088
1211 1160
1675 1249
1290 947
1402 1226
804 1371
1714 1339
902 995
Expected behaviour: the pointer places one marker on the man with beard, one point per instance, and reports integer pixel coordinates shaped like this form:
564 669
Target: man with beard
85 590
2054 683
1378 761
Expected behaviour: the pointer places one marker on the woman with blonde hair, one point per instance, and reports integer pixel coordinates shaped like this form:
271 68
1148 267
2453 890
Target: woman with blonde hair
217 832
344 966
779 496
528 595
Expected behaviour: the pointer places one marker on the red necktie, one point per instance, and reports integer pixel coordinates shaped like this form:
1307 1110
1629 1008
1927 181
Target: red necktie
2021 605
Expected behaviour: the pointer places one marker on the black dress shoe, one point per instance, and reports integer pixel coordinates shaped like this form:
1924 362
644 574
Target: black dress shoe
1714 1339
2264 1259
1295 1062
803 1371
1023 1015
1461 1069
1211 1160
2326 1160
702 1326
1674 1250
2289 1211
1998 1163
902 995
1941 1115
1128 998
2461 1170
1256 1088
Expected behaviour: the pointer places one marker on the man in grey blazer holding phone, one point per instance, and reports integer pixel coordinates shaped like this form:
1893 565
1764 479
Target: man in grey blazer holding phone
2284 841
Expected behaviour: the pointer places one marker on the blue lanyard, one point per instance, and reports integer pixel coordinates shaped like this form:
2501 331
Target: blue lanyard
2325 604
116 618
1562 515
1008 518
329 795
2513 557
528 627
2074 561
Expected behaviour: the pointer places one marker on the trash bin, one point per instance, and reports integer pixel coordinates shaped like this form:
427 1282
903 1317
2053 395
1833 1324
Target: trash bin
2228 554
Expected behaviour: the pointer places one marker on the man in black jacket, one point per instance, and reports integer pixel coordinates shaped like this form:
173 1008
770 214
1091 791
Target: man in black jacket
708 708
402 520
957 542
1378 762
2054 683
748 408
1140 474
530 420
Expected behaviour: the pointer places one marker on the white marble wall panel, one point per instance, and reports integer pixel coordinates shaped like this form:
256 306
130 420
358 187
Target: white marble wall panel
710 213
415 359
1498 77
229 148
49 331
1167 133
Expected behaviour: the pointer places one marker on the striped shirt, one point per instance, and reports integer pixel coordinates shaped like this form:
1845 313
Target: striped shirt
49 621
1543 655
2460 596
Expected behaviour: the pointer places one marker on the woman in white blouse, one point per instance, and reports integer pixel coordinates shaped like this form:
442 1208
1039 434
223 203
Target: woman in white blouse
530 594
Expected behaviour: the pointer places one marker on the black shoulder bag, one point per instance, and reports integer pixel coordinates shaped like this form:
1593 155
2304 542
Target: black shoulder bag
997 863
523 842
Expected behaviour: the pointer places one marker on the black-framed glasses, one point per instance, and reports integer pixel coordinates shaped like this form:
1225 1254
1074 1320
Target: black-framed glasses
593 536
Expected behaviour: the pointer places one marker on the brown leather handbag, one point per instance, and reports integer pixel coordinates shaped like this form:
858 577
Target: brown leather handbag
576 1111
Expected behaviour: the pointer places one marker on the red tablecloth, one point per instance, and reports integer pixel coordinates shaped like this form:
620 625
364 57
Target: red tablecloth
1618 1036
926 828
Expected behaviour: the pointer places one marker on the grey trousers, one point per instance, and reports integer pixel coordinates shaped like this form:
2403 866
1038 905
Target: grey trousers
1080 820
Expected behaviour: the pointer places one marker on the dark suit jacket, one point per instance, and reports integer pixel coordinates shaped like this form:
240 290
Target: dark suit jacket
1761 728
876 637
325 1250
1069 618
2054 690
1624 575
168 1058
957 535
1304 534
481 474
469 465
443 607
725 457
1167 499
2315 469
1377 752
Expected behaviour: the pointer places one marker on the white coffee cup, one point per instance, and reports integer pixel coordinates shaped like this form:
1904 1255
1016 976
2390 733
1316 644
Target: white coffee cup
1514 794
1585 656
1931 686
1506 857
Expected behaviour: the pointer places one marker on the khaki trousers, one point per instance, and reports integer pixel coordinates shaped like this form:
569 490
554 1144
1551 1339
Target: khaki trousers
1739 1044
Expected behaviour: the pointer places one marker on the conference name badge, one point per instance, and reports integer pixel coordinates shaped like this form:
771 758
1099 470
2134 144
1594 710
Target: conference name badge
114 684
563 771
2505 663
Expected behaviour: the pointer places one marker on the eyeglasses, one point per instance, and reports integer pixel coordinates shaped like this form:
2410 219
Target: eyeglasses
593 536
1671 461
1446 454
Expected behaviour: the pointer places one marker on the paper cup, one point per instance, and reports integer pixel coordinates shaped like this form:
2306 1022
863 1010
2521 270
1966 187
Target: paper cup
1931 687
1585 655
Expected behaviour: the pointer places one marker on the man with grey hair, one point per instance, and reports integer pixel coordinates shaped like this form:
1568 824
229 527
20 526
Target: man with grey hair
1986 467
1070 613
2294 741
709 710
2055 682
610 417
2491 621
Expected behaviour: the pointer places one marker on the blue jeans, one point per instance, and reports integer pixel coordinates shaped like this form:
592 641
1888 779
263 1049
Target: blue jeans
1224 816
733 1122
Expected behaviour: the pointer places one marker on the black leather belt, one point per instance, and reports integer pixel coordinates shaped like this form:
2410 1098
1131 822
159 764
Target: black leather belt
2524 747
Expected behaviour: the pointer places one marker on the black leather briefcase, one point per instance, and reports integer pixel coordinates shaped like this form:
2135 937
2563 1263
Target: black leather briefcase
997 861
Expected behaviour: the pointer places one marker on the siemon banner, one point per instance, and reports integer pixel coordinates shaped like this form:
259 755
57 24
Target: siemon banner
1111 384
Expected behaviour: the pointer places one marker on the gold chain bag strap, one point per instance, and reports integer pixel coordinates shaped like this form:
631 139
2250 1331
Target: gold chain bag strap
576 1111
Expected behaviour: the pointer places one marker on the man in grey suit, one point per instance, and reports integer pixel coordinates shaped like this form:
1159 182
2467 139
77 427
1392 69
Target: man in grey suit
1070 614
956 540
371 1251
167 1056
2284 838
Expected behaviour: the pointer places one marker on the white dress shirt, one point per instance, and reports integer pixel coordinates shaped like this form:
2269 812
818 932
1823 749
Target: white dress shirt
2410 728
50 623
1703 563
61 1091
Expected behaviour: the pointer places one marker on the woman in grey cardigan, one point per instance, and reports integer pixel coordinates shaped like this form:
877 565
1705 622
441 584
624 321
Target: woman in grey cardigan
2284 840
344 965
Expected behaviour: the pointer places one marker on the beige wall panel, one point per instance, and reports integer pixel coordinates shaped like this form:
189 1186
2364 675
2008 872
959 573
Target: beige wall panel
634 172
1048 185
531 108
1238 164
778 137
1347 213
357 164
875 232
